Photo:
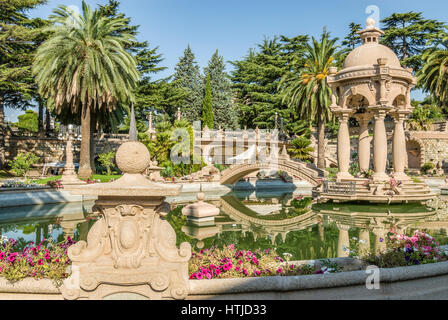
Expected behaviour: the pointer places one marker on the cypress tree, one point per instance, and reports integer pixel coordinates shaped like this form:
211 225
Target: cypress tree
207 104
224 110
187 77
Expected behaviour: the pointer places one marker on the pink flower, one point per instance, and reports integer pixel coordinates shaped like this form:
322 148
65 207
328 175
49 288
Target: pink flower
2 256
40 262
217 272
198 276
47 256
12 257
279 270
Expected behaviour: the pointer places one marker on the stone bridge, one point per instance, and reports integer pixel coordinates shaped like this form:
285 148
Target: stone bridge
296 169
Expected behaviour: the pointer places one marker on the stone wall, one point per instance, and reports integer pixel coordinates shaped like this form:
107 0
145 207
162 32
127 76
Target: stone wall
53 149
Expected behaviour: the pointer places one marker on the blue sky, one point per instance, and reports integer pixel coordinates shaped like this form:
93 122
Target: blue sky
234 26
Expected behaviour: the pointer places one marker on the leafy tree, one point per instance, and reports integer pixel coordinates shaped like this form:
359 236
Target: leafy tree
18 34
256 79
188 78
408 35
301 149
352 40
306 90
21 164
28 121
85 69
107 160
224 111
207 105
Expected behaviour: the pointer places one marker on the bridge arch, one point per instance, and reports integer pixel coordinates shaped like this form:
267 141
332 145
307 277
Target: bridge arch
295 168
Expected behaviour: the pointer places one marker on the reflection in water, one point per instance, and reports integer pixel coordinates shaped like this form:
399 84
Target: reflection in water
253 220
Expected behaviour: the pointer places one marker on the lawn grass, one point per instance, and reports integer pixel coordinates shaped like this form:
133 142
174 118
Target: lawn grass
102 178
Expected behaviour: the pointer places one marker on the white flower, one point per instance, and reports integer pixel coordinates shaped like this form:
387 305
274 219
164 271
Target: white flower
363 241
354 238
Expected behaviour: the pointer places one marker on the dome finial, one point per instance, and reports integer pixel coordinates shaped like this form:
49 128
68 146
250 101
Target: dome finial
370 23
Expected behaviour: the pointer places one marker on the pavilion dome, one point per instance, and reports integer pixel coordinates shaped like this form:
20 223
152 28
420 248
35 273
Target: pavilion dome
371 50
368 55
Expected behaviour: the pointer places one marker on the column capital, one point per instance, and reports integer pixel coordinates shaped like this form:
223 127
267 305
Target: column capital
400 115
343 114
363 117
380 112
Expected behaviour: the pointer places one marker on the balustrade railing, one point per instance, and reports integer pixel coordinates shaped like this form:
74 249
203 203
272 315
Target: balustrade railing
345 188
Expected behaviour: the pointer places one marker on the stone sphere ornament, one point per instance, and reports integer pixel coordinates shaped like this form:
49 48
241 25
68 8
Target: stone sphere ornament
133 157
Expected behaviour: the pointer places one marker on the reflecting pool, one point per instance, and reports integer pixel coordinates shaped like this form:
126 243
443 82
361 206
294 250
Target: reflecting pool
292 223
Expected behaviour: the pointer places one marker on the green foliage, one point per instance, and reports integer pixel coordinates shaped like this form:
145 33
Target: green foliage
224 112
354 169
21 164
428 167
352 40
424 116
19 38
332 172
255 80
433 77
300 149
28 121
305 89
107 160
188 78
207 105
408 35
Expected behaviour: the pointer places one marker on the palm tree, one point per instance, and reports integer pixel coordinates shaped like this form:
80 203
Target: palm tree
301 149
433 77
305 88
84 70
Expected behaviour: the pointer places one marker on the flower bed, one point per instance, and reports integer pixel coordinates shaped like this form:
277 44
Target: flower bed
45 260
16 184
230 262
402 250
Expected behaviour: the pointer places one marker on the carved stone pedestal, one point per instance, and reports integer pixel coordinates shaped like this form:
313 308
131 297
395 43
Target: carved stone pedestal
131 250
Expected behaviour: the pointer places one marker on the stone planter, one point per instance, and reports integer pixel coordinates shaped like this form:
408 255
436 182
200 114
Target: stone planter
417 282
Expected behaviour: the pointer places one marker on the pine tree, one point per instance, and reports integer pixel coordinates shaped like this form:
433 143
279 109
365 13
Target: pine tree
187 77
18 38
256 79
224 111
408 35
207 104
352 40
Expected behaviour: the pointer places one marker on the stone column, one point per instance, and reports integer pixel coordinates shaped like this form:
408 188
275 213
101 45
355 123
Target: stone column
69 176
343 241
380 146
364 141
380 240
399 146
364 241
344 145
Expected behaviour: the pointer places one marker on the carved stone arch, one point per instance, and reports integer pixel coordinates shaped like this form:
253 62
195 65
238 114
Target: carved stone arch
358 91
395 93
416 152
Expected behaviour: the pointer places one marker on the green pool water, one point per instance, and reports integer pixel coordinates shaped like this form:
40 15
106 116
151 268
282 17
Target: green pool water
292 224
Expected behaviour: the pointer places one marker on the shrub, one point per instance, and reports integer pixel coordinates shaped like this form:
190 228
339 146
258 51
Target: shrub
301 149
21 165
107 160
428 167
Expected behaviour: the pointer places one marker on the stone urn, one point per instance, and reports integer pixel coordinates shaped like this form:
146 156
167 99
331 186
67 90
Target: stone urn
131 250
